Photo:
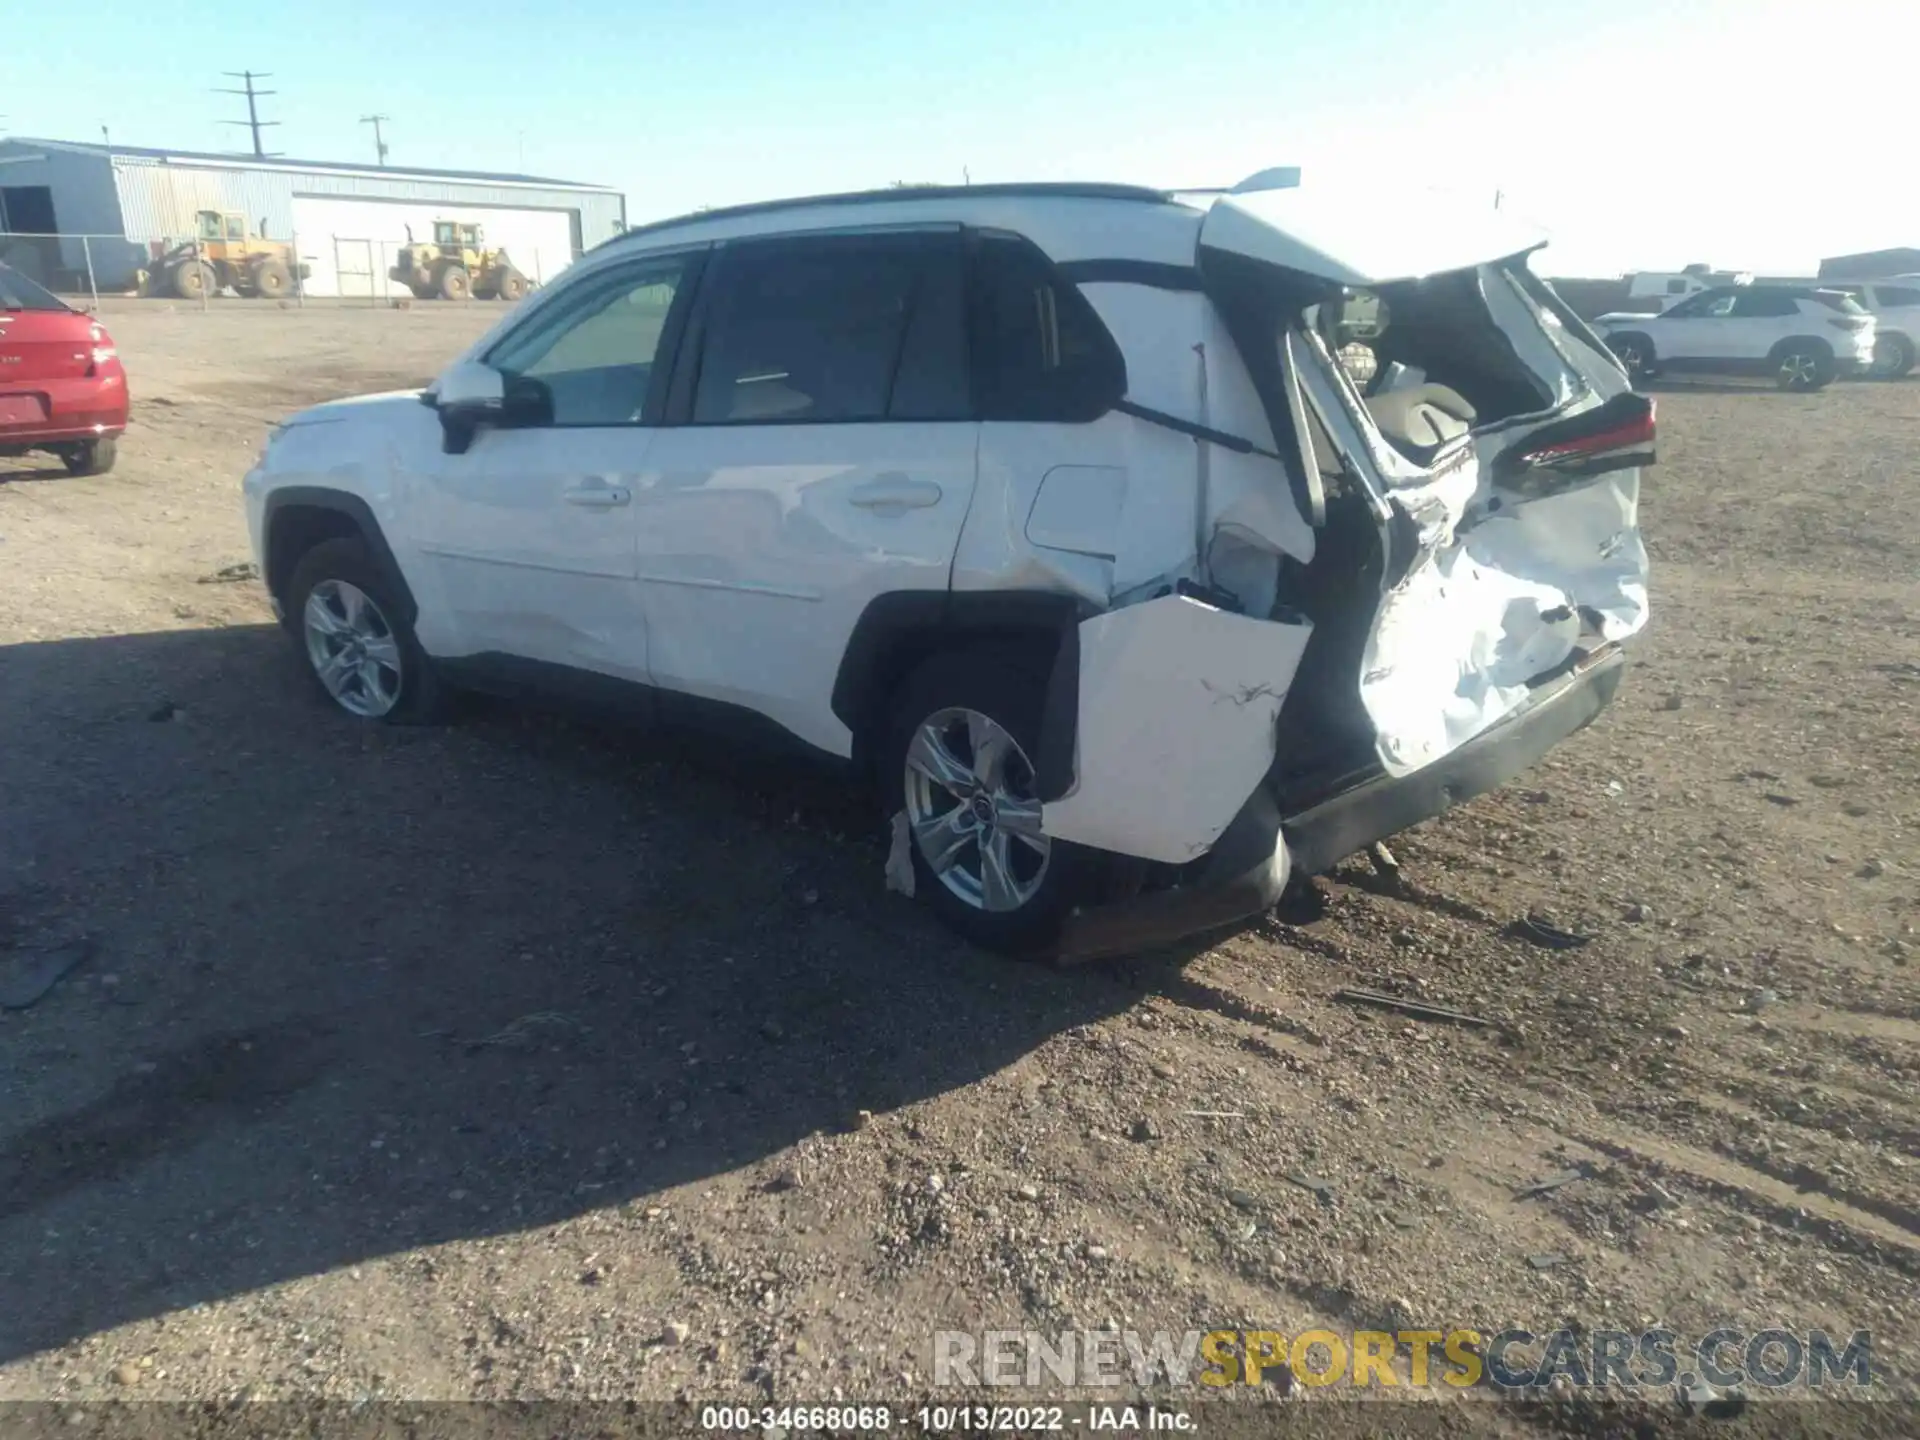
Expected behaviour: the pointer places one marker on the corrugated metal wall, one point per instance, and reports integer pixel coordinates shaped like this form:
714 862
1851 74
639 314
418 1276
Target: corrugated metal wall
158 199
83 204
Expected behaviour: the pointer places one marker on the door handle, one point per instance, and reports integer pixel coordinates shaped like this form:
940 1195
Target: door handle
598 496
896 492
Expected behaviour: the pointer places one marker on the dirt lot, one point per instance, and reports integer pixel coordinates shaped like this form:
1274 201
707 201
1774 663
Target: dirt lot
526 1058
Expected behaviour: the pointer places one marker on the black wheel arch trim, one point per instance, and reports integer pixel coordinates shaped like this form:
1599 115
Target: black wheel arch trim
906 625
340 502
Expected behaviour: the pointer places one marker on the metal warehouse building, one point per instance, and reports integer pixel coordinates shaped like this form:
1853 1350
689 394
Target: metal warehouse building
348 219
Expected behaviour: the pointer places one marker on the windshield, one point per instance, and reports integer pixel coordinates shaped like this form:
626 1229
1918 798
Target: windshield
19 293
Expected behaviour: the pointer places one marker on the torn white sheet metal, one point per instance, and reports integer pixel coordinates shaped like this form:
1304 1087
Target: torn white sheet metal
1177 708
1247 494
1495 597
1364 234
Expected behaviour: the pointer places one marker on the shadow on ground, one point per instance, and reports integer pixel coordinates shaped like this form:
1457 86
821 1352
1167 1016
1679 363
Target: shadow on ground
19 468
354 991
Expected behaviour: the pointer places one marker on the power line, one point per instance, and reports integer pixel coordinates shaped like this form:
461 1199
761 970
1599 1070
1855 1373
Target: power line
253 122
379 144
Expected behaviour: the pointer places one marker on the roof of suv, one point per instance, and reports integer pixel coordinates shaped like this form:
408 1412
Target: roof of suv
904 194
1351 234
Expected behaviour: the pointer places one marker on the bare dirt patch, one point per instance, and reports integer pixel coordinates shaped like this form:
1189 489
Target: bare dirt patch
470 1062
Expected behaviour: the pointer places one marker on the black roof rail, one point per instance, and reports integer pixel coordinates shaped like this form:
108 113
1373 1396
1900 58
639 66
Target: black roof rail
1055 190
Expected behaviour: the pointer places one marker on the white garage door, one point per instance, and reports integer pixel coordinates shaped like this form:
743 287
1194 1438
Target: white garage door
350 245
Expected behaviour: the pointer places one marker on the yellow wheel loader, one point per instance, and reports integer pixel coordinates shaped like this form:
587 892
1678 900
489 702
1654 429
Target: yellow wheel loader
223 256
457 265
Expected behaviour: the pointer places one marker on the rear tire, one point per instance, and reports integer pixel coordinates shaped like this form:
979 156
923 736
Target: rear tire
1893 357
455 283
1804 366
383 677
979 861
91 457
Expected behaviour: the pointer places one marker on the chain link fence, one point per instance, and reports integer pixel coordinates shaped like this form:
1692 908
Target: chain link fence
339 269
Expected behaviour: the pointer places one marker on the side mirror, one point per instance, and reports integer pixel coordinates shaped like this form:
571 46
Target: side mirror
471 394
468 396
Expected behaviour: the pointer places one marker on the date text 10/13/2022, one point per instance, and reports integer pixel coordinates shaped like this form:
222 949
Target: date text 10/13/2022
945 1419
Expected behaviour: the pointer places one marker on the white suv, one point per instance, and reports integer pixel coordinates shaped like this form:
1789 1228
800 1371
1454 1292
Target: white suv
1895 307
1046 507
1801 337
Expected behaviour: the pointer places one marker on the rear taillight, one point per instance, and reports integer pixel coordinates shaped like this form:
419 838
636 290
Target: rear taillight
1850 322
103 348
1615 436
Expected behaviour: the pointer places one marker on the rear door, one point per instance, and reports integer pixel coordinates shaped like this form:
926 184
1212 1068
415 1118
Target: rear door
1760 320
42 340
821 452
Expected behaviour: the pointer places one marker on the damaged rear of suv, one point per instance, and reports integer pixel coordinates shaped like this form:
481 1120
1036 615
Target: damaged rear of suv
1398 594
1062 513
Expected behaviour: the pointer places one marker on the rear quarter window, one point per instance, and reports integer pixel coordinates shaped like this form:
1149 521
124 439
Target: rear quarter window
1039 352
1834 300
1896 297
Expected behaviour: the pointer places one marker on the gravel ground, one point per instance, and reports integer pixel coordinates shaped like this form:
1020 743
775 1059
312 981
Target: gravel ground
525 1058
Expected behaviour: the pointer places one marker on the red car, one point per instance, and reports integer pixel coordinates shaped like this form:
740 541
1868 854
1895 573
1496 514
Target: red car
61 386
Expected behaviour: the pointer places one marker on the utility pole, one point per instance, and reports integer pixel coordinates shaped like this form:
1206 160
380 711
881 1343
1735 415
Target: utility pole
253 122
379 144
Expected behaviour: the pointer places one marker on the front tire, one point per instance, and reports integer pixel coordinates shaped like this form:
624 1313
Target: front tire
1635 352
91 457
1893 357
271 279
351 632
513 285
192 279
957 761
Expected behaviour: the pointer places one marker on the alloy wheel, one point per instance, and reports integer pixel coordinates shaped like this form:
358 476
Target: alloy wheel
973 812
352 648
1799 369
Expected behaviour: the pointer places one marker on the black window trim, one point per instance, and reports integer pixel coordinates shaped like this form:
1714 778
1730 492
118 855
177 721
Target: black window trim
567 302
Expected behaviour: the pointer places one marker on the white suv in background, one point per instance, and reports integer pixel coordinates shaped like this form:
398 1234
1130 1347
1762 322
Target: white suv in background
1800 336
1895 307
1047 508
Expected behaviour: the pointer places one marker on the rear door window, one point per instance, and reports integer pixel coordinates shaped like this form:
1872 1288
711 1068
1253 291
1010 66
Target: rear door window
834 329
1895 297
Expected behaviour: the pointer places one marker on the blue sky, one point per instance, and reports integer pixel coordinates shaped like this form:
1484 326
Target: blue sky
1642 133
